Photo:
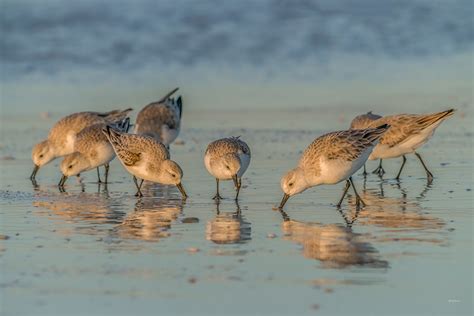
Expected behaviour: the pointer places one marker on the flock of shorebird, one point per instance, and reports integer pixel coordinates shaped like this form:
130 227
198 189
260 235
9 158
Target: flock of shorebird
88 140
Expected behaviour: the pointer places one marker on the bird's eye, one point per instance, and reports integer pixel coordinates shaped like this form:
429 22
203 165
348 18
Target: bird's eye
291 184
41 156
173 175
70 167
228 168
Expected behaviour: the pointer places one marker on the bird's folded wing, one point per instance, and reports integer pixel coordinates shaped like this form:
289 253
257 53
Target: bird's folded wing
401 127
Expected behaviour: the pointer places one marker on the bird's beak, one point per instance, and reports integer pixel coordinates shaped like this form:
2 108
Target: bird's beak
181 189
62 181
35 170
236 182
283 201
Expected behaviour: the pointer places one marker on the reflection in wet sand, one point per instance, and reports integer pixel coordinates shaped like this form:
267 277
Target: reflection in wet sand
151 219
391 212
228 227
334 245
402 217
85 210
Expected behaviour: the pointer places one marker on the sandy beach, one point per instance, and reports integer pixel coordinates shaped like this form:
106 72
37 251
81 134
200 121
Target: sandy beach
103 250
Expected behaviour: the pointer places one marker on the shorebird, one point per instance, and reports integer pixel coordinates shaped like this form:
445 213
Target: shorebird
62 136
92 149
330 159
145 158
407 133
363 121
225 159
161 120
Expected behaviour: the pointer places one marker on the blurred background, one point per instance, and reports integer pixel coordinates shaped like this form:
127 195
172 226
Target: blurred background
64 56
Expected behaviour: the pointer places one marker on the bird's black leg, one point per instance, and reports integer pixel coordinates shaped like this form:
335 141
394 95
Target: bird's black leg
401 168
348 184
217 196
357 194
379 170
106 166
98 175
239 184
139 192
428 173
365 172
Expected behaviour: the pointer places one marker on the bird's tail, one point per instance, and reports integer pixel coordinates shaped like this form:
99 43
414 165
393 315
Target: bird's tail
430 119
179 103
121 125
163 99
115 115
112 135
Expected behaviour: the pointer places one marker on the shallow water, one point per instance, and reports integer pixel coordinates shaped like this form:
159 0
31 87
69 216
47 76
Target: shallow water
97 250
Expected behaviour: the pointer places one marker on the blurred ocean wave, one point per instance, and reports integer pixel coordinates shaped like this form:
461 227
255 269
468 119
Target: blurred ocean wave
50 37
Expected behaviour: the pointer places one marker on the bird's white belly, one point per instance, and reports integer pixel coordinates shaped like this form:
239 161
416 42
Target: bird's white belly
382 151
222 174
140 171
336 170
408 146
105 153
215 172
419 139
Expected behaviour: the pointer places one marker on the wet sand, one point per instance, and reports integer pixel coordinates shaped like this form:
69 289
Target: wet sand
95 250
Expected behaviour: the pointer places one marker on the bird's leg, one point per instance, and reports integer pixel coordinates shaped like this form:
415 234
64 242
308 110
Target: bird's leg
348 184
33 174
98 175
357 194
365 172
401 168
106 166
218 202
344 217
238 212
380 171
217 196
239 184
428 173
381 189
139 192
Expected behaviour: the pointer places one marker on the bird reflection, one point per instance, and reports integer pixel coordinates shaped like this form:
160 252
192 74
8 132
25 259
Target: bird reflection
85 210
403 218
150 220
167 192
391 212
228 227
334 245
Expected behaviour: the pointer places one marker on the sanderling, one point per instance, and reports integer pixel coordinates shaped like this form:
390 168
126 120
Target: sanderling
362 122
161 120
407 133
61 137
91 150
330 159
145 158
227 158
